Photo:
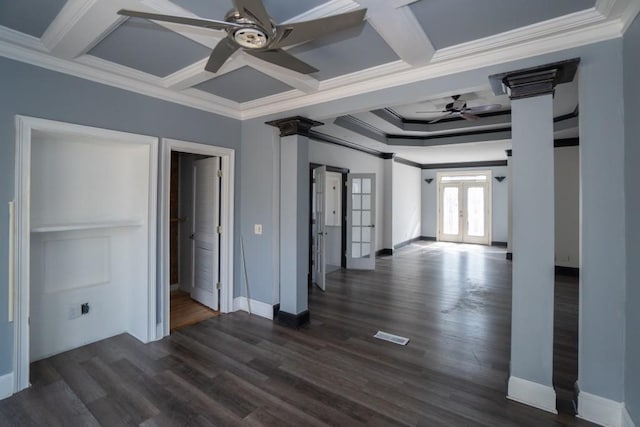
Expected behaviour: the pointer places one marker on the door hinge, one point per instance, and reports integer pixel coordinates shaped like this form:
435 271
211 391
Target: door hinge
219 174
219 229
218 285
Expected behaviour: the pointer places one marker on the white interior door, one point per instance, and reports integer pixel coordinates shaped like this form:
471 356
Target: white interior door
464 211
206 218
361 217
319 208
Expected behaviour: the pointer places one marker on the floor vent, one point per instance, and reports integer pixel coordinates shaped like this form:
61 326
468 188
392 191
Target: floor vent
396 339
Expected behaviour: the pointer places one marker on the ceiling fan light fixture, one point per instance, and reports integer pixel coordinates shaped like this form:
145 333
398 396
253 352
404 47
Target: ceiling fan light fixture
251 38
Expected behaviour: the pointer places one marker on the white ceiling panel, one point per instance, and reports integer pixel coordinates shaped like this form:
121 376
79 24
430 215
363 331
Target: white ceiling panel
243 84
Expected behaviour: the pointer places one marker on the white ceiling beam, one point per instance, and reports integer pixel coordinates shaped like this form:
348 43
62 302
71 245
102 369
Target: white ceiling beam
411 44
299 81
80 25
195 73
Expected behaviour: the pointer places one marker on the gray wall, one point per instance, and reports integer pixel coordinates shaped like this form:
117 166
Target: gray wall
632 178
259 204
499 205
406 203
36 92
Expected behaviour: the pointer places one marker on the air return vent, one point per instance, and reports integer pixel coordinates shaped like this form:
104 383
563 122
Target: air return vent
396 339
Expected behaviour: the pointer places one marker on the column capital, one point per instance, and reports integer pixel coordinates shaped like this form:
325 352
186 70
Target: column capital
534 81
296 125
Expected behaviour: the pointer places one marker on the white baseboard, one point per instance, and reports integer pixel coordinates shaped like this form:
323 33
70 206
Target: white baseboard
6 385
532 394
258 308
600 410
626 418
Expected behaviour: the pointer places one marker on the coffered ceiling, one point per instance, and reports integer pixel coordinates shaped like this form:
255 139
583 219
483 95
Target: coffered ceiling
401 41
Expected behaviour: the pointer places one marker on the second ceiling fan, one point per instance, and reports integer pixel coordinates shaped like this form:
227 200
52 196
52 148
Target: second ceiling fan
458 108
249 27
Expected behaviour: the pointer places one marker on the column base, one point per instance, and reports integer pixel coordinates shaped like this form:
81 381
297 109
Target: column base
532 394
292 320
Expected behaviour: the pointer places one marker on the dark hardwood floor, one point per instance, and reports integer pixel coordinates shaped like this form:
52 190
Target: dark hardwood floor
452 301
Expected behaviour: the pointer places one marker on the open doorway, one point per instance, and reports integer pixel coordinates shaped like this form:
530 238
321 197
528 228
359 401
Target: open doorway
327 222
196 273
194 242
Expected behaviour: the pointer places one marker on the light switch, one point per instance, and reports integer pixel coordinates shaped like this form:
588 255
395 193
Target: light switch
257 228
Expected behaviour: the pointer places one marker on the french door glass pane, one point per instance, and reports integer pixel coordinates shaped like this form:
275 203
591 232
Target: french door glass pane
355 234
356 218
365 250
355 250
366 218
366 234
450 210
356 186
356 198
475 211
366 202
366 186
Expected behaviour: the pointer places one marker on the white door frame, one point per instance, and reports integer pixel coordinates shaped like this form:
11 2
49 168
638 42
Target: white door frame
489 195
24 128
226 220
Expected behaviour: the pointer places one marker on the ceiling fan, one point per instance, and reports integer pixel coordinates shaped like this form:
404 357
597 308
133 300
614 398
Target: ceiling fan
250 28
458 108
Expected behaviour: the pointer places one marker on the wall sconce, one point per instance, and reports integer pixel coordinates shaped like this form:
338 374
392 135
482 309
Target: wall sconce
428 180
500 178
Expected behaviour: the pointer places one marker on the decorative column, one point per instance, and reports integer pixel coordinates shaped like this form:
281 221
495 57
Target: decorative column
387 190
533 236
294 219
509 206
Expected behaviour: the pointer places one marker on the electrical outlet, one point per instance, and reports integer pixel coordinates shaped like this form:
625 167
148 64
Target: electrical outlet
257 228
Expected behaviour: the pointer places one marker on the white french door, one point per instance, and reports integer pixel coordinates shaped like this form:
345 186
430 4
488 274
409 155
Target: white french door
361 218
464 208
319 231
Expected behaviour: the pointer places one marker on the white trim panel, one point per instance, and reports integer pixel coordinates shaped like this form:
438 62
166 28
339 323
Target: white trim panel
600 410
6 385
532 394
258 308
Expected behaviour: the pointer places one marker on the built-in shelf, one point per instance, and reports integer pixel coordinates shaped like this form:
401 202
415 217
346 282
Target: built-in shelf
87 226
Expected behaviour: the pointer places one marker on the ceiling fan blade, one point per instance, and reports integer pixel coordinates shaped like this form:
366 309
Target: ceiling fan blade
468 116
298 32
431 112
483 108
441 117
283 59
196 22
255 10
223 50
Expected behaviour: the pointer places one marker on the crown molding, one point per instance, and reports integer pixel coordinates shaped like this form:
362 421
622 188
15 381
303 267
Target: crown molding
77 69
